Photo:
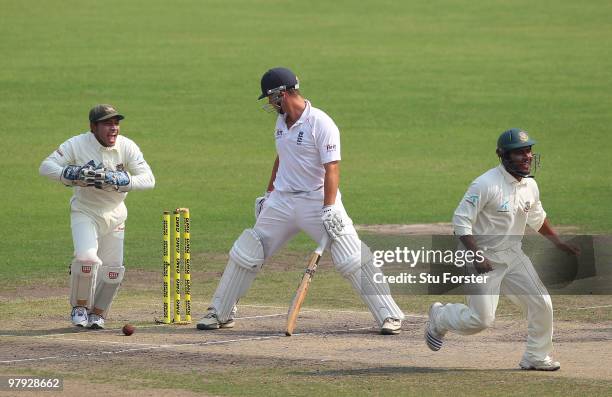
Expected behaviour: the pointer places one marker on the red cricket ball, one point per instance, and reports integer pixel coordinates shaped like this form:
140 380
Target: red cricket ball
128 329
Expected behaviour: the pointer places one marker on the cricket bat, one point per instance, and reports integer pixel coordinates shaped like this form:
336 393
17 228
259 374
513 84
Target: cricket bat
300 294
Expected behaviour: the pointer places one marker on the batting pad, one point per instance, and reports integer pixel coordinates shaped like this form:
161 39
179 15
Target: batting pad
83 276
245 261
107 287
354 261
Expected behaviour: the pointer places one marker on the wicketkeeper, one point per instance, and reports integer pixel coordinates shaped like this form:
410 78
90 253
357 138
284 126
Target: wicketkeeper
302 195
101 166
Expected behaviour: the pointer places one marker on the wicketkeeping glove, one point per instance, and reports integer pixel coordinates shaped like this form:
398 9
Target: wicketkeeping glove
111 180
332 220
79 175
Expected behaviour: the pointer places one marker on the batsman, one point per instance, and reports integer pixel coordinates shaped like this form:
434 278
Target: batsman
302 195
101 166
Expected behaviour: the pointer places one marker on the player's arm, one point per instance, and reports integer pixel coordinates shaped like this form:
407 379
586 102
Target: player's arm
259 201
332 180
327 140
52 166
549 232
137 174
273 175
60 166
464 218
538 221
140 173
482 266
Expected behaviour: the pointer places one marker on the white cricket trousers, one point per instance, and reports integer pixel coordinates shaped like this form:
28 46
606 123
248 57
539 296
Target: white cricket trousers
514 277
285 214
96 241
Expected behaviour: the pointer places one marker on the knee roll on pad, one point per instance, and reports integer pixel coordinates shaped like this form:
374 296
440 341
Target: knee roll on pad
87 256
357 266
83 277
245 261
109 281
247 251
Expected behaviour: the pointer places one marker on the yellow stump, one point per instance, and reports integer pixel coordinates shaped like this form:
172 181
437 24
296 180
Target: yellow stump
177 267
187 263
166 265
174 316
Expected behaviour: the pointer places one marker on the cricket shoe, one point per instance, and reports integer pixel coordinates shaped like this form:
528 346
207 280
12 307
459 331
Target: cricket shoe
433 338
391 326
95 321
210 321
539 365
79 316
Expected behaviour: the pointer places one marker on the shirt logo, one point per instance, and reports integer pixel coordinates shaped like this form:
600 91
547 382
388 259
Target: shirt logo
300 137
330 148
59 152
505 207
527 206
279 134
113 275
86 269
472 199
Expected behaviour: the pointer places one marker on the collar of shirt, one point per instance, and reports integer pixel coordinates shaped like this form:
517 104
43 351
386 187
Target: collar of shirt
94 141
509 178
302 118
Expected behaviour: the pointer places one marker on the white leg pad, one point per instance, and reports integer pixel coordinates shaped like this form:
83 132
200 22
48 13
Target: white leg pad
245 261
353 259
110 278
83 277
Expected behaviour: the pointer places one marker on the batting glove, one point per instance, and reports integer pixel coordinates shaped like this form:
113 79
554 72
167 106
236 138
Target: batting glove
332 220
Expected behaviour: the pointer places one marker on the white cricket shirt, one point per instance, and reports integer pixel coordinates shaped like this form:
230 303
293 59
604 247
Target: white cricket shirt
302 150
79 150
496 209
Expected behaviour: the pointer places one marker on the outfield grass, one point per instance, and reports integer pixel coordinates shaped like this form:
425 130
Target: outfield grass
420 92
324 379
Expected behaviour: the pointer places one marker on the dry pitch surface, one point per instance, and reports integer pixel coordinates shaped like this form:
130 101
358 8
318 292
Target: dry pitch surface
329 344
334 351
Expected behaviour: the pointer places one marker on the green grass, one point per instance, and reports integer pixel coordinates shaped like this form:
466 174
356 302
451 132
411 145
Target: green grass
419 91
307 379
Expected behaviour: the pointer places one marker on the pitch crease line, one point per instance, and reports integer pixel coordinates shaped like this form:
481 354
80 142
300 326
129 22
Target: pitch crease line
170 346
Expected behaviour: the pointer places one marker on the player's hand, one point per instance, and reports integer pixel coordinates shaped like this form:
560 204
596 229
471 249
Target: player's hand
106 179
332 220
259 204
87 177
75 175
570 249
483 266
